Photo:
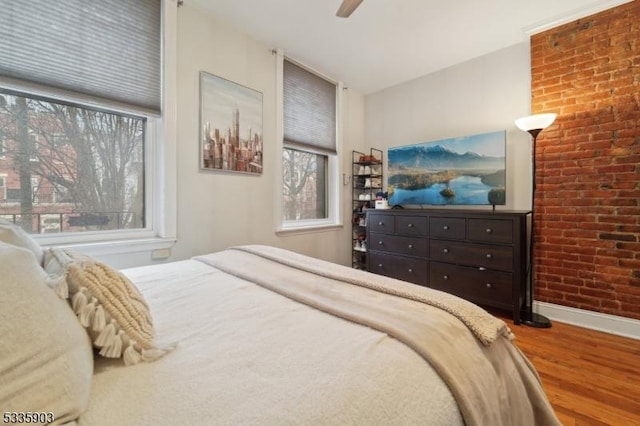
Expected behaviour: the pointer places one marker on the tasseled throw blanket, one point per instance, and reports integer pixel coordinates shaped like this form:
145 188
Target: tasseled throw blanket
473 352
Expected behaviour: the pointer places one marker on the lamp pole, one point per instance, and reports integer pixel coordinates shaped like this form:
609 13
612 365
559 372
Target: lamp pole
533 124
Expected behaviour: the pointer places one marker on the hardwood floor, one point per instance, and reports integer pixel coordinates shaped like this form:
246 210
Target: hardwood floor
591 378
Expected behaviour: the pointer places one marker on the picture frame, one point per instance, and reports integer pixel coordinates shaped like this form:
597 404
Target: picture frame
468 170
231 137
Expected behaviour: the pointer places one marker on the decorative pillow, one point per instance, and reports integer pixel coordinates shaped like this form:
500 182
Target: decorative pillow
107 304
46 359
11 233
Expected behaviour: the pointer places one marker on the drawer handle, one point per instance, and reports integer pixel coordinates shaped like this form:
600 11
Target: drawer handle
482 268
446 227
381 223
445 250
489 285
380 243
410 246
489 256
380 265
410 225
445 277
410 270
489 230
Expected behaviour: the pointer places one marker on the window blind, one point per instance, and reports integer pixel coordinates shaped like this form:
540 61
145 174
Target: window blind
309 109
107 49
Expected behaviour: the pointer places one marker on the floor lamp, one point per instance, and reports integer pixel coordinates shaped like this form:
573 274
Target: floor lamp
533 124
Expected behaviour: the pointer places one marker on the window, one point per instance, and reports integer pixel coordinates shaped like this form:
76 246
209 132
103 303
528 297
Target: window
61 194
31 145
13 196
93 182
305 185
309 151
35 187
59 140
78 129
3 188
3 141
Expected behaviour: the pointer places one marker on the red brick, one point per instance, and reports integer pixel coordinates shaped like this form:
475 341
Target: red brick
635 247
577 298
615 255
616 168
613 305
600 294
630 263
589 162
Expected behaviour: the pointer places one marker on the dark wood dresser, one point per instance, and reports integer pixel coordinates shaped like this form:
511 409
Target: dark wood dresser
478 255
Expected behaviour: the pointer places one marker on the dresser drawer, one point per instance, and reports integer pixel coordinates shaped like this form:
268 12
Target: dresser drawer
381 223
491 230
485 255
403 268
412 225
448 227
485 287
410 246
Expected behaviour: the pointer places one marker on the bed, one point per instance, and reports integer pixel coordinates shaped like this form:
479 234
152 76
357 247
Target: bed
260 335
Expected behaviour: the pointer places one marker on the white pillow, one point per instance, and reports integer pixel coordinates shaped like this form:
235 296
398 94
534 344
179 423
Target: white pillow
107 304
46 359
13 234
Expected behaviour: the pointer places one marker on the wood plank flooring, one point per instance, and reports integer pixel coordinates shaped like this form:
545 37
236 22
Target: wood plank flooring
591 378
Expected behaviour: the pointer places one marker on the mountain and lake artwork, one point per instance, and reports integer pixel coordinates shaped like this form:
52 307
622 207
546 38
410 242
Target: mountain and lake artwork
468 170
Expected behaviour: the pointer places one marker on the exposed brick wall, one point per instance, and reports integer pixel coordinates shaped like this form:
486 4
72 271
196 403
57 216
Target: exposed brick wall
588 162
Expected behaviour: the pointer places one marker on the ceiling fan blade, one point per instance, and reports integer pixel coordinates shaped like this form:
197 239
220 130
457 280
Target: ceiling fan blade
347 7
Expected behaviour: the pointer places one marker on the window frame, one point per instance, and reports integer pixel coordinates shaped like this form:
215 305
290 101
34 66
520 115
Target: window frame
159 157
150 157
334 190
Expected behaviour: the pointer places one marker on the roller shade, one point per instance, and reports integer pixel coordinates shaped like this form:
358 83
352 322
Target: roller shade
309 109
107 49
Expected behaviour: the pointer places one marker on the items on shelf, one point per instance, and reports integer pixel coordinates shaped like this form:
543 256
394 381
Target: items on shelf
367 188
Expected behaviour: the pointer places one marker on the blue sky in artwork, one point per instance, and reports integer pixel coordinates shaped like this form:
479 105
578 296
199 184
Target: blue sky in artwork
483 144
220 97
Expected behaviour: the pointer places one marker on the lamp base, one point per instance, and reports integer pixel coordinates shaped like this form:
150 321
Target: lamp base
536 320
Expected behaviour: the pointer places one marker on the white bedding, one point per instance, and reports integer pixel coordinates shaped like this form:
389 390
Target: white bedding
293 365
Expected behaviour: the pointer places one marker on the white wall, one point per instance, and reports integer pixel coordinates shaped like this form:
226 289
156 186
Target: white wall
481 95
217 209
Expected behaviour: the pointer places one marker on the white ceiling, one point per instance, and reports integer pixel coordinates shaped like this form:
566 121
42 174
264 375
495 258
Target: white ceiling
387 42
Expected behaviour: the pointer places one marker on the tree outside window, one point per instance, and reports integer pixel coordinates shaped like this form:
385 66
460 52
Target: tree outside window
304 185
80 168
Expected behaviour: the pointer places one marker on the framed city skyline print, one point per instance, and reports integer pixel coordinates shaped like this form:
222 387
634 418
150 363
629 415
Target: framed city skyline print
230 126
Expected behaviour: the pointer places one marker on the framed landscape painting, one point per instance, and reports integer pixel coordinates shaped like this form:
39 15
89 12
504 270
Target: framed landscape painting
469 170
230 126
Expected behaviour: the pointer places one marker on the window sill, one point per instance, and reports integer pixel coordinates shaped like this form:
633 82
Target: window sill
308 229
124 253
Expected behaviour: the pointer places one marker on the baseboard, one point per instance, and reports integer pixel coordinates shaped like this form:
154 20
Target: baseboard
613 324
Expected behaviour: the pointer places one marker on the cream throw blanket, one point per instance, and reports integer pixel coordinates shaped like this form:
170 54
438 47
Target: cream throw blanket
492 381
249 356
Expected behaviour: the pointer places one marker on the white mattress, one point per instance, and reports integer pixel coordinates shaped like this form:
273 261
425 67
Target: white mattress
249 356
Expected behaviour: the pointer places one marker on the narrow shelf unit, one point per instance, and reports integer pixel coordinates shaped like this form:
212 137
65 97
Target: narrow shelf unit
366 182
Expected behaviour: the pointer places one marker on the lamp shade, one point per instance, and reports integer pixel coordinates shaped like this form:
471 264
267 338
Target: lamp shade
536 122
